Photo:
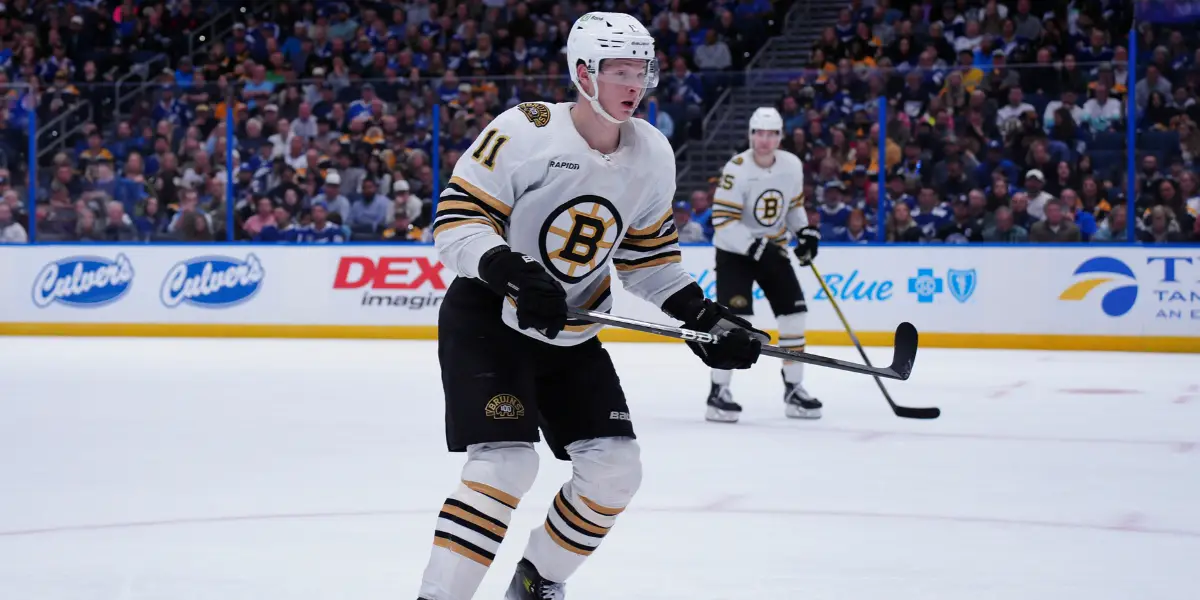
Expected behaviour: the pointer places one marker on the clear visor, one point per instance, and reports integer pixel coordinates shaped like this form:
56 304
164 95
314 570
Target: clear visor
627 72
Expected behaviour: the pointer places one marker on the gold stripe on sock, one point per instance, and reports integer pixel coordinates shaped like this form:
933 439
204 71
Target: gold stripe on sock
600 509
569 514
503 498
474 520
561 542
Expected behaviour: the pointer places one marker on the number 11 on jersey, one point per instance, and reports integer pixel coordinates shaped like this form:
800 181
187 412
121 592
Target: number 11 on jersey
490 139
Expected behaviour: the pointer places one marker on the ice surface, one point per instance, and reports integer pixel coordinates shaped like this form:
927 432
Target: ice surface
270 470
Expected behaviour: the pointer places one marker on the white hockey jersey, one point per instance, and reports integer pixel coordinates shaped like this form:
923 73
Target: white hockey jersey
531 181
752 202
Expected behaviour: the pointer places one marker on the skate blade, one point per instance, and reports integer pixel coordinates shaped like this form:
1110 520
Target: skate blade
717 415
799 412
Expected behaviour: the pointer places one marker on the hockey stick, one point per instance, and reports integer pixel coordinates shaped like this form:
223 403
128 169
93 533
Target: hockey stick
902 362
900 411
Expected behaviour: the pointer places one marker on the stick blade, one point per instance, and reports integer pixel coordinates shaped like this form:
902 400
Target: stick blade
905 351
908 412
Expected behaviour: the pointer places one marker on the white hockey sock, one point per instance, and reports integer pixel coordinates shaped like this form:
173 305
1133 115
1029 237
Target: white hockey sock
721 376
573 529
608 472
474 519
469 530
791 336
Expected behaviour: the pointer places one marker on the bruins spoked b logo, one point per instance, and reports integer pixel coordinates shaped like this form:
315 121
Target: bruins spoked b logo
768 208
578 236
504 406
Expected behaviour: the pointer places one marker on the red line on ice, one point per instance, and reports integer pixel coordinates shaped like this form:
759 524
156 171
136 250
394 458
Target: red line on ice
1131 523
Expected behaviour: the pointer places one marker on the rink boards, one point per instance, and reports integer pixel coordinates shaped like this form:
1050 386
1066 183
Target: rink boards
1089 298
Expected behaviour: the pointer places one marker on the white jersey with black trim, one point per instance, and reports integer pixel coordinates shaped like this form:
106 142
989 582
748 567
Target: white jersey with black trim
531 182
753 202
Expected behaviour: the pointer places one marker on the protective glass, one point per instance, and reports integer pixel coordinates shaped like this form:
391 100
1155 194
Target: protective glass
629 72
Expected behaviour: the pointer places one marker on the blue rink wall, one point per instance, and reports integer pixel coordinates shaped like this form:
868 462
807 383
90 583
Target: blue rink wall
1086 297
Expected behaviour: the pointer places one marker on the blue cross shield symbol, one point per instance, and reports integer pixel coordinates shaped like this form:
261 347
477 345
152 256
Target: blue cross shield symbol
962 283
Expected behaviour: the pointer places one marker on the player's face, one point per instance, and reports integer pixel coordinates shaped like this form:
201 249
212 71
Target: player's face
764 141
622 83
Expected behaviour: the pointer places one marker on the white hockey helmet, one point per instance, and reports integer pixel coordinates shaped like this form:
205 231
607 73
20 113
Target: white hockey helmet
597 36
766 118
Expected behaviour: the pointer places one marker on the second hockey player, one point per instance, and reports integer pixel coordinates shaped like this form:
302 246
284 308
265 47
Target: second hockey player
759 200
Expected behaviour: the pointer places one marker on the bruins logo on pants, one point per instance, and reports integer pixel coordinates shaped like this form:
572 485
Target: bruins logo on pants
504 406
578 236
768 207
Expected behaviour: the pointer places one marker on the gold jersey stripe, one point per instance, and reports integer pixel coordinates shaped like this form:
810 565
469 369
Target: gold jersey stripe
727 204
651 263
474 190
653 228
652 242
446 226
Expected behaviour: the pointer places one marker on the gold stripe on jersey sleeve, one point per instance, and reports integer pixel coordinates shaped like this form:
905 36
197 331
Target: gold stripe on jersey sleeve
601 509
474 190
502 497
737 206
590 303
726 213
651 242
447 224
725 223
647 262
798 201
653 229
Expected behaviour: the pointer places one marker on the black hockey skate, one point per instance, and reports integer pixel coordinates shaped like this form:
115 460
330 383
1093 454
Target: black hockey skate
798 403
721 407
527 584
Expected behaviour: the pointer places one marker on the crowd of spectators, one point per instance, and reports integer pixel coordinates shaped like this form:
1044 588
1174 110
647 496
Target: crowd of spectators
332 109
1005 123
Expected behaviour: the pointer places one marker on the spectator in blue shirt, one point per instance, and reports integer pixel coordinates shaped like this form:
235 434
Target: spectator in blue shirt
321 230
369 212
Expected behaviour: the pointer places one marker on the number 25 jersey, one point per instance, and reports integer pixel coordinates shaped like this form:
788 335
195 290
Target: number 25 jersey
752 202
532 182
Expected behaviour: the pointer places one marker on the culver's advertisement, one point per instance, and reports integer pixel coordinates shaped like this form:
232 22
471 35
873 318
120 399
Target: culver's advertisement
1034 291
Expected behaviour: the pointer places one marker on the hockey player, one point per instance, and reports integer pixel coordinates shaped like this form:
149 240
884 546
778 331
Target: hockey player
537 208
759 199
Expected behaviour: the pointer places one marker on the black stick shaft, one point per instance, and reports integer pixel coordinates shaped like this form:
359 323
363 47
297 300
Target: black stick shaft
708 338
899 411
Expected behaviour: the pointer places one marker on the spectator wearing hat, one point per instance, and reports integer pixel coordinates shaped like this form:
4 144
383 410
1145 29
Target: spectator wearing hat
994 160
834 212
689 230
368 213
963 228
332 197
1035 183
1056 227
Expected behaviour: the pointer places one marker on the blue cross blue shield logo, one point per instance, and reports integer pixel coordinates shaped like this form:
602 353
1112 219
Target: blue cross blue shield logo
962 283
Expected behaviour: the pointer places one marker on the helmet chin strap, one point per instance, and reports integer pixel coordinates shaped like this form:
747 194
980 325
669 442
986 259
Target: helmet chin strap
594 100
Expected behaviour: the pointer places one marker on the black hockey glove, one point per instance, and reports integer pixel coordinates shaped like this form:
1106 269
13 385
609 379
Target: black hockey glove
806 244
740 342
541 300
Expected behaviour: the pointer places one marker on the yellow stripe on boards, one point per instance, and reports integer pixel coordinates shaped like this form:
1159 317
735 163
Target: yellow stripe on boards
929 339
